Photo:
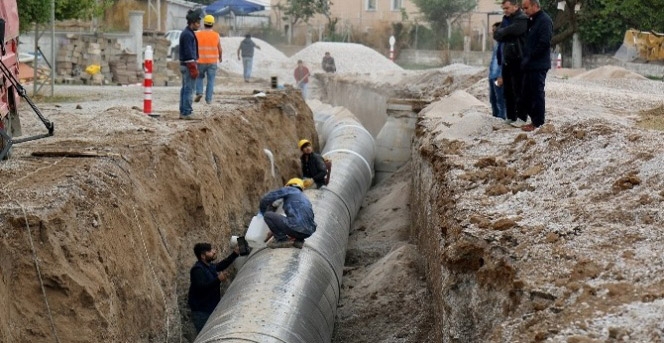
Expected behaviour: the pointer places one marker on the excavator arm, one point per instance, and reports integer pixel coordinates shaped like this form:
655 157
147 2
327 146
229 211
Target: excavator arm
6 140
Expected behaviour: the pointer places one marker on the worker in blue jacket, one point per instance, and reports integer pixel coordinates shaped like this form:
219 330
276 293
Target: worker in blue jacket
188 62
298 224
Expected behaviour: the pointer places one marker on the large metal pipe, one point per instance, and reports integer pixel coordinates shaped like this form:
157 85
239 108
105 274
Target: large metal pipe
291 295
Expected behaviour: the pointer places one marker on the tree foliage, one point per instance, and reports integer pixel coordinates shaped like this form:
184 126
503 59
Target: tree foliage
39 11
303 10
602 23
438 12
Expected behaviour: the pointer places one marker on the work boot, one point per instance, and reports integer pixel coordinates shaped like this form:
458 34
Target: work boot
275 244
518 123
198 97
189 117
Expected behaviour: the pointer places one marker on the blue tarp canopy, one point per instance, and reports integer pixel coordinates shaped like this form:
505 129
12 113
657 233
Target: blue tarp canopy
238 7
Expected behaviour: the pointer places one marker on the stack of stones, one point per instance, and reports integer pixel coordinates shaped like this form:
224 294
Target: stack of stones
125 69
83 51
161 75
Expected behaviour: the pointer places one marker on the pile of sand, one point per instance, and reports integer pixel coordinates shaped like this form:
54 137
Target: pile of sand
348 57
608 72
266 58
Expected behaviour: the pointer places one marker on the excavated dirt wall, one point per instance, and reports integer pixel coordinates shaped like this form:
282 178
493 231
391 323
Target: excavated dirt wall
113 234
364 100
473 285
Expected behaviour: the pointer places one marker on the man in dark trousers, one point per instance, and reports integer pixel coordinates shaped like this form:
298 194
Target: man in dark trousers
298 224
328 63
313 164
511 35
206 277
535 64
188 62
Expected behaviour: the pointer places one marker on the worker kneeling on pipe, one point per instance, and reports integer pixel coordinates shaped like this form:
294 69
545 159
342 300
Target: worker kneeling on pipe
298 224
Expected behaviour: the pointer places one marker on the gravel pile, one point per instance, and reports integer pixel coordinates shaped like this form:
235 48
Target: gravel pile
609 72
266 59
348 57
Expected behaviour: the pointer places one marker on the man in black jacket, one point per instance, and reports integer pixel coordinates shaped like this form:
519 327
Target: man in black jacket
512 36
313 164
535 64
206 277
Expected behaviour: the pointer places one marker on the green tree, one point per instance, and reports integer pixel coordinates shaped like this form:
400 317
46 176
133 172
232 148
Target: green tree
439 12
303 10
39 11
602 23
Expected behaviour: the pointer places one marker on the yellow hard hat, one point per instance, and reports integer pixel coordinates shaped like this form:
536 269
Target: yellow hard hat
297 182
302 142
208 20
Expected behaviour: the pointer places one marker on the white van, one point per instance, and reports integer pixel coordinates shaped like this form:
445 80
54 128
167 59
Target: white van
174 37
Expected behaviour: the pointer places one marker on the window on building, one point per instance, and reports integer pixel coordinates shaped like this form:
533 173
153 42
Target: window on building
397 4
371 5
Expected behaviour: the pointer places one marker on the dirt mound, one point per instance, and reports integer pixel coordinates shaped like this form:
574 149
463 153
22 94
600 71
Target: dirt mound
436 83
608 72
547 236
113 234
348 57
266 59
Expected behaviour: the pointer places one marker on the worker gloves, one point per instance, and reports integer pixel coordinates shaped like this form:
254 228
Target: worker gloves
193 69
308 183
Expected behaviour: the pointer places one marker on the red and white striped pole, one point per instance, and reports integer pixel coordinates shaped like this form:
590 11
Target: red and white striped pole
392 41
147 82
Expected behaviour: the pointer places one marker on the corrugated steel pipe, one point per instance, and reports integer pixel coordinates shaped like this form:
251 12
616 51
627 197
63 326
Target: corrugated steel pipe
291 295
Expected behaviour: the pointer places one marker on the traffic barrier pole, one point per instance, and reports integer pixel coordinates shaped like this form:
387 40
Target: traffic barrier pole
559 61
147 82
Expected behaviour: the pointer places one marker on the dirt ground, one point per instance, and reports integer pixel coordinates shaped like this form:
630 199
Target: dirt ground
567 218
548 236
113 234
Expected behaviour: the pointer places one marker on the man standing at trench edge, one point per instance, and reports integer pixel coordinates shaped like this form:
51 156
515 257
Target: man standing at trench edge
535 64
188 62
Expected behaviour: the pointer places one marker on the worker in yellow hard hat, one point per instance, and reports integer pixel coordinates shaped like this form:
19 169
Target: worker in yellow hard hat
297 225
209 55
313 165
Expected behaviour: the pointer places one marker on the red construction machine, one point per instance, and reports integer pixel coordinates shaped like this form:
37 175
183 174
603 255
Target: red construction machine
10 88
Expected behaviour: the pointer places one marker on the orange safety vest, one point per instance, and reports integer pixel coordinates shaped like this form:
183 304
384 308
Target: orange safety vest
208 42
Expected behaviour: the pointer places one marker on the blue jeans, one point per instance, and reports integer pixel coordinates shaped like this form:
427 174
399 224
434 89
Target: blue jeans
303 88
278 224
246 64
209 71
186 92
497 99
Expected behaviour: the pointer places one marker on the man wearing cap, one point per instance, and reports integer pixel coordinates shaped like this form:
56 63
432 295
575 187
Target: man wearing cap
206 277
188 65
209 54
298 224
313 164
